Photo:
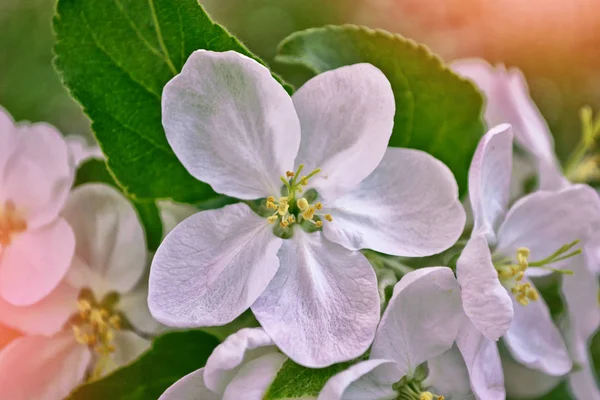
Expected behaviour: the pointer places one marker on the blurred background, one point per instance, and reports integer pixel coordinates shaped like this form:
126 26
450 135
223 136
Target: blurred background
555 42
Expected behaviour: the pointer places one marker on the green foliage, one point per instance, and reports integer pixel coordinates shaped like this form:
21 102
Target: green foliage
95 170
116 57
171 357
295 381
436 111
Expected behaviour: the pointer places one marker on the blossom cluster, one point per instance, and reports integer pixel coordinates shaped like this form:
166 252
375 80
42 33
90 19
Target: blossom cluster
323 208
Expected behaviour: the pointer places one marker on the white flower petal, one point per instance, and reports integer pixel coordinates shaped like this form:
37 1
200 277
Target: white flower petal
366 380
408 206
129 346
582 380
35 262
580 292
526 383
489 180
42 368
254 378
172 213
38 175
448 375
8 138
483 362
45 317
212 267
227 358
487 304
190 387
111 249
347 116
134 305
322 307
81 151
545 221
422 319
231 124
508 101
534 340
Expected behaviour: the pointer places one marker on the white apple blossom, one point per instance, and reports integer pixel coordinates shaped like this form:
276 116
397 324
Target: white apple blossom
507 248
242 367
425 349
81 330
508 100
298 268
81 151
36 244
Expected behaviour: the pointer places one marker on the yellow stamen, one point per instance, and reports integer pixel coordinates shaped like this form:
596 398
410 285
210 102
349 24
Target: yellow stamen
319 206
319 224
289 174
302 204
309 213
426 396
272 219
328 217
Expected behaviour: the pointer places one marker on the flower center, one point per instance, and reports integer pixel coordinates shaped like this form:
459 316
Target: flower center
289 210
11 223
95 326
412 390
511 274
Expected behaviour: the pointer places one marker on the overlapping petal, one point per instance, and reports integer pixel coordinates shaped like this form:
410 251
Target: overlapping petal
46 317
366 380
545 221
212 267
254 378
35 262
483 363
111 253
534 340
38 175
422 319
448 375
508 101
231 124
526 383
227 358
190 387
322 306
485 301
346 116
489 180
42 368
408 206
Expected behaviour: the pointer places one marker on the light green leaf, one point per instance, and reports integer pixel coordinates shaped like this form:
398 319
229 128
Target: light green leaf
295 381
95 170
115 57
171 357
436 111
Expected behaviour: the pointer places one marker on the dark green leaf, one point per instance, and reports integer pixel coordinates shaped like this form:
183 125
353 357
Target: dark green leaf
295 381
436 111
95 170
115 57
171 357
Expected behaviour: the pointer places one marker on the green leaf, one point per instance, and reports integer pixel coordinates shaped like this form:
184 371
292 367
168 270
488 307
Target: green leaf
295 381
561 392
436 111
171 357
115 57
95 170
